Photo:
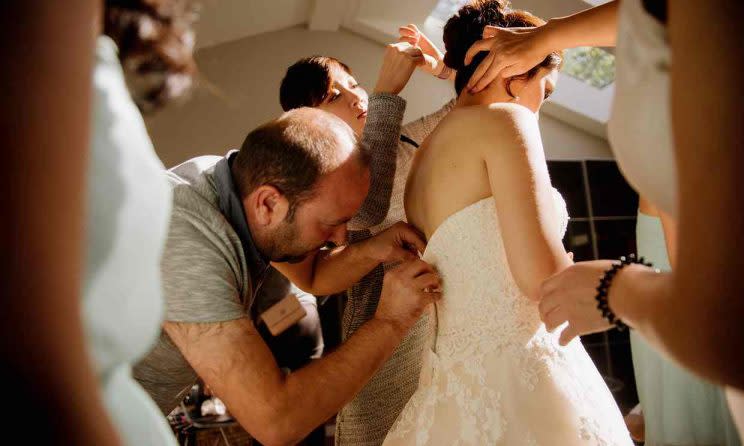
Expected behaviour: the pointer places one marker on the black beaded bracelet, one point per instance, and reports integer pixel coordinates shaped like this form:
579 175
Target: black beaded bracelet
604 287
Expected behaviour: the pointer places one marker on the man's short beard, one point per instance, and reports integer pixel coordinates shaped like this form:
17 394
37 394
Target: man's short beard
283 250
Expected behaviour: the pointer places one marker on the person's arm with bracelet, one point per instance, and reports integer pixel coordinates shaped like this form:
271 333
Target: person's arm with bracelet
693 313
696 317
46 124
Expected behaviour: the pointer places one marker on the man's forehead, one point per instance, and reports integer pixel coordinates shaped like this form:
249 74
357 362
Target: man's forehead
346 180
342 188
328 209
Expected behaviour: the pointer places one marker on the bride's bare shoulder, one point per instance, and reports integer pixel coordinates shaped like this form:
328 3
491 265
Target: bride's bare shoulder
500 119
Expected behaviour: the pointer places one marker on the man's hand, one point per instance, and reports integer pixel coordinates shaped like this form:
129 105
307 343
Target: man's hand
406 292
397 243
398 64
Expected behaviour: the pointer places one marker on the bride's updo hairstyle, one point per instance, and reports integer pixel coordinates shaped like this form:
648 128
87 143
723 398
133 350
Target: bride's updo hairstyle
466 27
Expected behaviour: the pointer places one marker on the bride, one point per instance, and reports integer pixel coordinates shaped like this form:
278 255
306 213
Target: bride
479 189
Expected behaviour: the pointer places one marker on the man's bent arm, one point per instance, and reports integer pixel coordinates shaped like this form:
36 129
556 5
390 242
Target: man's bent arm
330 271
275 408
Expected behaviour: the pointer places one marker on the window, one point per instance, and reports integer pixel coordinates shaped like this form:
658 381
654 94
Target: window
593 66
596 2
446 9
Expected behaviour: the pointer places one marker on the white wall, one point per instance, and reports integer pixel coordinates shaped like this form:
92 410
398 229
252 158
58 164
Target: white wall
240 90
223 21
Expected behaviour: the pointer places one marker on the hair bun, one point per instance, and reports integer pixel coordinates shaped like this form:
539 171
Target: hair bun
466 27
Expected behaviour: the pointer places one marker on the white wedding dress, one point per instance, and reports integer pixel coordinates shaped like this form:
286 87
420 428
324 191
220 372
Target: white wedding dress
493 374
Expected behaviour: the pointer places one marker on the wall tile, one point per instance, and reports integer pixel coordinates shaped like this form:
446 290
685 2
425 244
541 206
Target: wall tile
578 240
568 178
610 194
615 238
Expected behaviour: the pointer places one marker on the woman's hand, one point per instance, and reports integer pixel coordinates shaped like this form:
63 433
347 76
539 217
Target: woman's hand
569 296
512 51
398 64
433 58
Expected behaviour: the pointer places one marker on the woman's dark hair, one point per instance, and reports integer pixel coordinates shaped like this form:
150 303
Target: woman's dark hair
156 42
466 27
308 82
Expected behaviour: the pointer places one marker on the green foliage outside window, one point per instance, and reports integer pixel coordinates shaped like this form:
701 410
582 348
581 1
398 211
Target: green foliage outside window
594 66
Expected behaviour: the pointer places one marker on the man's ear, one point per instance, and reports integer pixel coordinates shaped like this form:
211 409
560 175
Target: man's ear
268 206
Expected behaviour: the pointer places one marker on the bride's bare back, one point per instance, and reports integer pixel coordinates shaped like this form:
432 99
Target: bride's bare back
447 174
494 150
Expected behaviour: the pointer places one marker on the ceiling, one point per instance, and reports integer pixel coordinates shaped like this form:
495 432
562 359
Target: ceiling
223 21
226 20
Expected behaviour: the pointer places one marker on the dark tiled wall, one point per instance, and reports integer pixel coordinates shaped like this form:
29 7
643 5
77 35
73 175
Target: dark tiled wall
603 211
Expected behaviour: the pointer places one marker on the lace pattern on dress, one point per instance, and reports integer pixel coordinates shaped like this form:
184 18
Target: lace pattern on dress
487 329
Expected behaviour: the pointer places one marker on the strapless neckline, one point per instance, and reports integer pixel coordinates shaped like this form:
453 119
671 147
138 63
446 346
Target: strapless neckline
451 218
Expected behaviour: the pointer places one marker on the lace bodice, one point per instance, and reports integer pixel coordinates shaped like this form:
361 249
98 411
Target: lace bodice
494 375
472 237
